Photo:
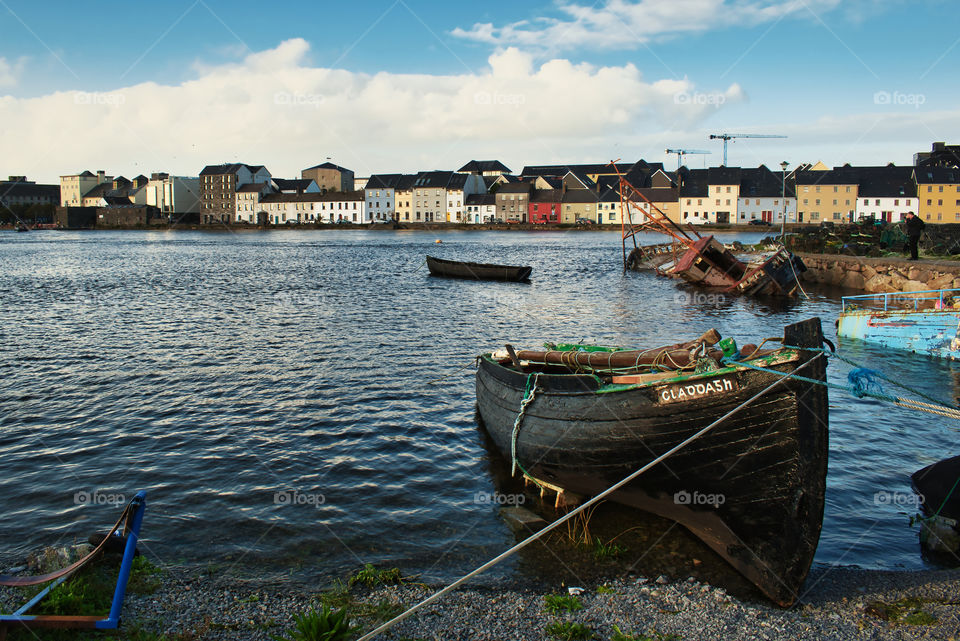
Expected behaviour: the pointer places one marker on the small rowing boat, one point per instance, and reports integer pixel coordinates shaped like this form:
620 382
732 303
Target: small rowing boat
477 271
583 418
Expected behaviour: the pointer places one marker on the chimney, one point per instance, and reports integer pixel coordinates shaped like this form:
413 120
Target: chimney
101 176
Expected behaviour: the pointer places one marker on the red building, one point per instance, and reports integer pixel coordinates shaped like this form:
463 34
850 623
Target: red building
545 206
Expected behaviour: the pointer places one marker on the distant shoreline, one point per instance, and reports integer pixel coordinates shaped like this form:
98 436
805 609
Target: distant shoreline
413 227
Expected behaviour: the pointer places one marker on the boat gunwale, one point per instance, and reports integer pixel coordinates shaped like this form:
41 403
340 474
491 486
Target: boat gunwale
613 388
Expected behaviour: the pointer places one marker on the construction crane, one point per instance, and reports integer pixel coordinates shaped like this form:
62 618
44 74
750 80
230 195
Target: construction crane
726 137
683 152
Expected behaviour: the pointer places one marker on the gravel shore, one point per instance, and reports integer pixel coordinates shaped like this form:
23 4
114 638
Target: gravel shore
838 604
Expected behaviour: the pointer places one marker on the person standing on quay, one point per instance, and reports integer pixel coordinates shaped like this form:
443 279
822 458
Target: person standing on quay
914 227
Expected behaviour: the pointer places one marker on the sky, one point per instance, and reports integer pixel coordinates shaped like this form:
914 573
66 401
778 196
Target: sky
404 85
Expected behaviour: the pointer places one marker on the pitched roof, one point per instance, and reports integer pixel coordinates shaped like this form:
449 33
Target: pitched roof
251 187
561 170
384 181
229 168
928 175
886 182
660 194
581 196
516 188
327 165
723 176
296 184
694 183
480 166
581 177
330 196
99 191
836 176
480 199
763 183
432 179
547 196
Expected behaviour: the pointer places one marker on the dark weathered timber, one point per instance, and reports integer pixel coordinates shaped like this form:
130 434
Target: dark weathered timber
768 462
936 484
477 271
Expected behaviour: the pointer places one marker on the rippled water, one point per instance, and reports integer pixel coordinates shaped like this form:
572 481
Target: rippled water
300 402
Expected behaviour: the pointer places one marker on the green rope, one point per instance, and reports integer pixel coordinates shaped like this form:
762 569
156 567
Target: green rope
528 393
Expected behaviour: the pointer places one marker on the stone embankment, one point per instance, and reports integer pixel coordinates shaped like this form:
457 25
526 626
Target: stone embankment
882 274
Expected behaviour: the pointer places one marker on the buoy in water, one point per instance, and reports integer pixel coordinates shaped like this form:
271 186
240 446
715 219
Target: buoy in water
438 241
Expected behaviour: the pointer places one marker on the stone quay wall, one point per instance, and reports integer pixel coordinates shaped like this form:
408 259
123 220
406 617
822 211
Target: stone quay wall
879 275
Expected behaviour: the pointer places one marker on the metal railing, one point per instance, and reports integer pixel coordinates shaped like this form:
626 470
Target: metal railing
900 300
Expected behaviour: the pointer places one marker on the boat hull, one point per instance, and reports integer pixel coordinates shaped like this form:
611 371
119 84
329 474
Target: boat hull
477 271
931 332
752 488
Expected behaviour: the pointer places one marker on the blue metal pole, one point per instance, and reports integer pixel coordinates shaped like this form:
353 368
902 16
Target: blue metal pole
140 504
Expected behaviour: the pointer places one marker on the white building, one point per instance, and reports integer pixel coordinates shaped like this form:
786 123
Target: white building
248 207
173 194
480 208
307 208
886 193
74 187
380 196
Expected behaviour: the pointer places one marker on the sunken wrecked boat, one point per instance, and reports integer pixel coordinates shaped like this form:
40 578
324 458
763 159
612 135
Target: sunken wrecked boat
751 488
477 271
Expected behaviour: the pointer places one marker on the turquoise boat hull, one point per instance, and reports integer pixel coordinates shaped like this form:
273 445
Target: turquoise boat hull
926 331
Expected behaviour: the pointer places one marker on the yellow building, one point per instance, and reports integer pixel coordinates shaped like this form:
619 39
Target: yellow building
938 193
580 203
827 195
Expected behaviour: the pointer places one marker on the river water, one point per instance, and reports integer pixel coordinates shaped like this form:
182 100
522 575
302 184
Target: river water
297 403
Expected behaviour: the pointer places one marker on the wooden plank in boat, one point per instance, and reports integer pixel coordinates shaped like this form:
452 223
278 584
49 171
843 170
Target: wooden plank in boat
632 379
687 391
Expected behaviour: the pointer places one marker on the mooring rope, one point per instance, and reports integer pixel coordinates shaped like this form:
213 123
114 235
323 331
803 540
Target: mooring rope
569 515
528 394
861 386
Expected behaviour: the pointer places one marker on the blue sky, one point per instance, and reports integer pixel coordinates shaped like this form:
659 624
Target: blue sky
402 86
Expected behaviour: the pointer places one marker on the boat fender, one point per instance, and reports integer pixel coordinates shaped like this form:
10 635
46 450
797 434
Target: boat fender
729 347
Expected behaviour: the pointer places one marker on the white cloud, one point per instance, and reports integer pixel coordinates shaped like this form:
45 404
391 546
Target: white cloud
621 24
10 71
273 108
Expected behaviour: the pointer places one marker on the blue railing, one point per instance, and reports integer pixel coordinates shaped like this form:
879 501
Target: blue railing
900 300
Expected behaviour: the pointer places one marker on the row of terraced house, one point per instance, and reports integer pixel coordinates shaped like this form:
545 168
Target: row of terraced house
486 191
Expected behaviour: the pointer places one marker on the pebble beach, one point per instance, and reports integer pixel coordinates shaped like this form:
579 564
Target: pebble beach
837 604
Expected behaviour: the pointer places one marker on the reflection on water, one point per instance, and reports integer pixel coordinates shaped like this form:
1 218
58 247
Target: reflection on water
303 402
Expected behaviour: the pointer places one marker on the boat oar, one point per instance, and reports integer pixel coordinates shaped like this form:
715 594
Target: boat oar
585 506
